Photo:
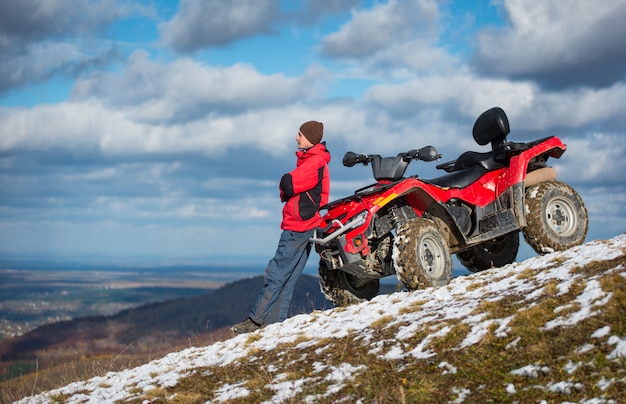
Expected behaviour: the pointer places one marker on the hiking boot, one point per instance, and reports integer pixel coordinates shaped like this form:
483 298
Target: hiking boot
245 326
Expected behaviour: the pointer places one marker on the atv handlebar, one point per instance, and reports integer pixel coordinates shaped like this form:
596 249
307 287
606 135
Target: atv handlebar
351 159
427 153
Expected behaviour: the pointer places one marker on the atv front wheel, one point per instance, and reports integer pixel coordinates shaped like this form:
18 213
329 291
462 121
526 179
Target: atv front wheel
421 255
556 217
343 289
492 254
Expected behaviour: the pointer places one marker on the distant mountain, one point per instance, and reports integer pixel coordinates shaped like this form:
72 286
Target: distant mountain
152 326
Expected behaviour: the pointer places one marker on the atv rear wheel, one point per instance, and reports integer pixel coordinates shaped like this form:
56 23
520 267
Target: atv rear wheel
492 254
556 217
343 289
421 255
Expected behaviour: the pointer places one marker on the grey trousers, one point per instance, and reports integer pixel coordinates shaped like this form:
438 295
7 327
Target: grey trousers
281 275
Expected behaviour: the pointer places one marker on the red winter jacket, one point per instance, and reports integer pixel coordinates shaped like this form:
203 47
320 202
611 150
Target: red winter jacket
305 189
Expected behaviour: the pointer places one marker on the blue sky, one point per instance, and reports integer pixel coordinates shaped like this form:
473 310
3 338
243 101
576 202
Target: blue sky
158 130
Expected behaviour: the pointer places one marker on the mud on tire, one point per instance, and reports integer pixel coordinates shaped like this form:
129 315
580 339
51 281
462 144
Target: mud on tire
421 255
556 217
343 289
491 254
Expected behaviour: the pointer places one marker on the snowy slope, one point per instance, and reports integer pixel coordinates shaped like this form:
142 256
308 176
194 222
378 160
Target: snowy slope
403 329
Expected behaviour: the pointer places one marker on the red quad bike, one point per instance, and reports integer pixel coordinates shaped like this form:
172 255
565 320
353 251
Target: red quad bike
410 226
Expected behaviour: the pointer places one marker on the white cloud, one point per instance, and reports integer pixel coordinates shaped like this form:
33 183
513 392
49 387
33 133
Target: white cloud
201 23
527 106
371 31
469 94
567 41
184 90
391 41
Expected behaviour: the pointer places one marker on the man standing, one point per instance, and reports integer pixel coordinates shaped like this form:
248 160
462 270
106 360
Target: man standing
304 190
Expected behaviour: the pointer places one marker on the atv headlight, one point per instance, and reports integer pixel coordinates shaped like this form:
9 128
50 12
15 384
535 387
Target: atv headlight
358 220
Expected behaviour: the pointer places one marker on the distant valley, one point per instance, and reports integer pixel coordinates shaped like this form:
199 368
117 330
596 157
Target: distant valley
47 294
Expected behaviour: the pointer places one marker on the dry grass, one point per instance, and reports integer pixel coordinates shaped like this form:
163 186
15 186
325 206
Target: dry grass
66 368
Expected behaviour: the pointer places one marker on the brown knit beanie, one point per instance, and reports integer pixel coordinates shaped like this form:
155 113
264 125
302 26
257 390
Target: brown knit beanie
313 131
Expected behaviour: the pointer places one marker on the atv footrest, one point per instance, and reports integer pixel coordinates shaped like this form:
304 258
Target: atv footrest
494 226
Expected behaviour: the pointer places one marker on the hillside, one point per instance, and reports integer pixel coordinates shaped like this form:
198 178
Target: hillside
551 328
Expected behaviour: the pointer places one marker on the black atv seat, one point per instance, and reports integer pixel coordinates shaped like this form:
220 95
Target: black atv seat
458 179
485 160
469 167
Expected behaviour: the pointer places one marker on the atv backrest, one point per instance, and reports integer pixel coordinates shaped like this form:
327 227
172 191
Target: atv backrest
491 126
